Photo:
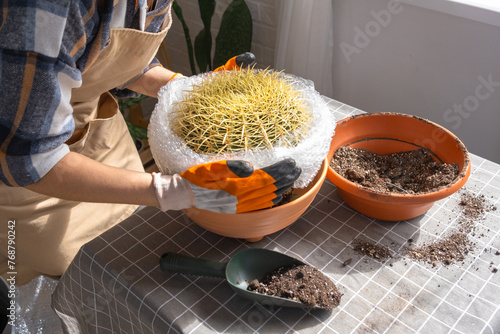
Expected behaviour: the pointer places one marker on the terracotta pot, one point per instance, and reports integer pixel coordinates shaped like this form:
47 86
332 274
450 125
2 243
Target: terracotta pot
386 133
253 226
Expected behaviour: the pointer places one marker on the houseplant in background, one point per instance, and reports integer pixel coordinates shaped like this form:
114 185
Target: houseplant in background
387 133
137 131
234 36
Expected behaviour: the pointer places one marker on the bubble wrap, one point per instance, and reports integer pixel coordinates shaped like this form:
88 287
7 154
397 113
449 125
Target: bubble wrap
172 155
33 311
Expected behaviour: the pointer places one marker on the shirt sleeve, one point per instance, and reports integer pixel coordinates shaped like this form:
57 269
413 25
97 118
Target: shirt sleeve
37 74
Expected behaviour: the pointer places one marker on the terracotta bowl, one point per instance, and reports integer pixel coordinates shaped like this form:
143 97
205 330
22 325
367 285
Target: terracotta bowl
255 225
386 133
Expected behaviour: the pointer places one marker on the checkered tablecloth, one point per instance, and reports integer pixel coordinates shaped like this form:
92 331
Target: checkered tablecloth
115 285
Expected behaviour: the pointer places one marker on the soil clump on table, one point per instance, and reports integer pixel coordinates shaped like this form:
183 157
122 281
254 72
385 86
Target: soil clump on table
474 207
409 172
374 251
446 250
450 248
302 283
455 246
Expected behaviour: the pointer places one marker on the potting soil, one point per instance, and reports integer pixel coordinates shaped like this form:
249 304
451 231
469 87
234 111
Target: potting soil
374 251
454 247
411 172
449 248
302 283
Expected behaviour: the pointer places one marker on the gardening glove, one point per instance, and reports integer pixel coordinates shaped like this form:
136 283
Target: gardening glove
243 60
228 186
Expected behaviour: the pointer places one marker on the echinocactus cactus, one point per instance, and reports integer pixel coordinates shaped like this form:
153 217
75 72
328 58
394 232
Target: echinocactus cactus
241 110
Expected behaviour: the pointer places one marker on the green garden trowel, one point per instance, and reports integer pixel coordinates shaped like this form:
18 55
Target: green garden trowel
242 268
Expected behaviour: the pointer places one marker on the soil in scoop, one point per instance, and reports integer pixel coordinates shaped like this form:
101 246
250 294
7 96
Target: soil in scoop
410 172
302 283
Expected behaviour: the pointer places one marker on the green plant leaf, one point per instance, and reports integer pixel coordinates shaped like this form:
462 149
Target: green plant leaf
178 12
235 33
201 45
207 9
137 132
125 103
203 42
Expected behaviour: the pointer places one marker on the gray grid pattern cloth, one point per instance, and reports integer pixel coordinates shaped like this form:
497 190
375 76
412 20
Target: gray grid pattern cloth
115 285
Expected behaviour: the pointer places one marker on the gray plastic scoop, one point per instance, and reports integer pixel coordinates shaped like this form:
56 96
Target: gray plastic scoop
242 268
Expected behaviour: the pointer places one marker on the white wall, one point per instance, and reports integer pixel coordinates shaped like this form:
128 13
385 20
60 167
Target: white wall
415 61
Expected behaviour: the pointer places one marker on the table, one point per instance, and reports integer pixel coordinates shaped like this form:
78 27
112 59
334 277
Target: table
115 285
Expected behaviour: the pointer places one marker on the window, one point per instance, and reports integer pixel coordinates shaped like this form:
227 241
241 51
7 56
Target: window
485 11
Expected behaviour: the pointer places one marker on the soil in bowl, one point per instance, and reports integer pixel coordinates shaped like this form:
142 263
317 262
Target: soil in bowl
302 283
287 197
410 172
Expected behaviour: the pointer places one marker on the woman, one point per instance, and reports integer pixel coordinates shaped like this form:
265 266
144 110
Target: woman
69 168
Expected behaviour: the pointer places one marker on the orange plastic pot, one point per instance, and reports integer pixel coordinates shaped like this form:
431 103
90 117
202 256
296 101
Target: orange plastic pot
255 225
386 133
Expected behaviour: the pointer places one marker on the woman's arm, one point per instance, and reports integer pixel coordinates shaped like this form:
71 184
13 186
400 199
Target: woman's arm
78 178
151 81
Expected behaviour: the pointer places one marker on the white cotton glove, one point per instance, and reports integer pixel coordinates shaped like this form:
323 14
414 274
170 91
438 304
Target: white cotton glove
173 192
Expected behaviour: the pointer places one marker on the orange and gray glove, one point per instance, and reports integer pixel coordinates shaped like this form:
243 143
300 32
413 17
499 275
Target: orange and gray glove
228 186
243 60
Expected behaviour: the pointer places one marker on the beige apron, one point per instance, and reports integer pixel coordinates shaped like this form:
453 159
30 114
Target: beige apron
50 231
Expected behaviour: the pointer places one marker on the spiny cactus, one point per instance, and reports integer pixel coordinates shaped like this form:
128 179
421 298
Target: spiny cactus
241 110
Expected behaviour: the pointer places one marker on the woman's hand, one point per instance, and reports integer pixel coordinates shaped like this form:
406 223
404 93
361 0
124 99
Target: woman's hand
150 82
228 186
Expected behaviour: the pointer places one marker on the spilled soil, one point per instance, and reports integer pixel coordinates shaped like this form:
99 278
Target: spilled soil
302 283
450 248
374 251
455 246
447 250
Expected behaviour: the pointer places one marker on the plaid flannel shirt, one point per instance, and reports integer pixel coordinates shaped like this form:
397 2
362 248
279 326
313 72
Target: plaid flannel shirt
44 47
